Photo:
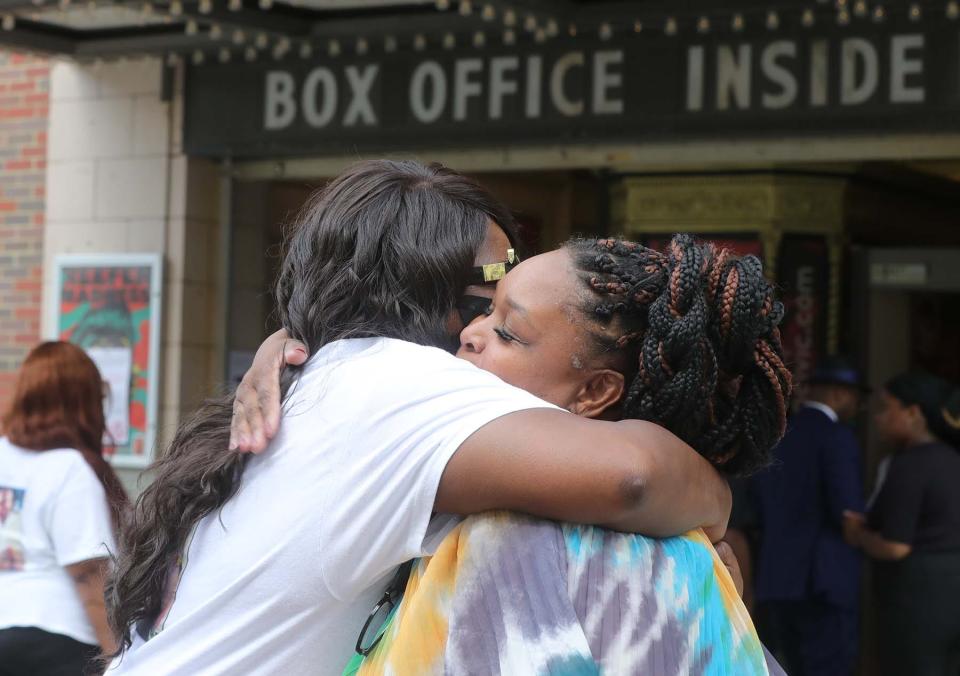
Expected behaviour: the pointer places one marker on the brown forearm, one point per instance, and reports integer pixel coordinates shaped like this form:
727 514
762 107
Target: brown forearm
678 490
97 614
878 547
88 580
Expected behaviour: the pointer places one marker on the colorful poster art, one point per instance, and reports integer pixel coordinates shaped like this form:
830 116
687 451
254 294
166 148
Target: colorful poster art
803 276
110 306
11 528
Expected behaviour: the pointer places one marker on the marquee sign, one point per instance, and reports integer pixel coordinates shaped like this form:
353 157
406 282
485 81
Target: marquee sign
868 78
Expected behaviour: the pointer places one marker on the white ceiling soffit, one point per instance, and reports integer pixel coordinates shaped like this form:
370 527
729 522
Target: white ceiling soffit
333 5
95 18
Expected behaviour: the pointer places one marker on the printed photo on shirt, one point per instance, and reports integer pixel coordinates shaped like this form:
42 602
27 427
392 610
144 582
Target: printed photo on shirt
11 528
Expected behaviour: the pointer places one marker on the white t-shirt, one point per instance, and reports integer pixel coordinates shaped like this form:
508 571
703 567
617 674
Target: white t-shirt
53 512
281 580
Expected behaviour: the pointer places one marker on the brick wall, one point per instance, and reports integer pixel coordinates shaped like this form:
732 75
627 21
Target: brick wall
24 108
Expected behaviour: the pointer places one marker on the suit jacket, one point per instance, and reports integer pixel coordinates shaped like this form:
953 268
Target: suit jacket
800 502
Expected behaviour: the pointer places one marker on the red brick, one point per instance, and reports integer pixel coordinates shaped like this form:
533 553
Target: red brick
24 83
27 284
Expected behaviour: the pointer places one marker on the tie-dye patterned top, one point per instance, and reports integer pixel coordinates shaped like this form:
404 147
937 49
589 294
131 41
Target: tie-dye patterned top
509 594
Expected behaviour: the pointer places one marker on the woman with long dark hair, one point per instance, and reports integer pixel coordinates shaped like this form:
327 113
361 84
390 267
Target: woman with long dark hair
60 503
267 564
687 338
912 532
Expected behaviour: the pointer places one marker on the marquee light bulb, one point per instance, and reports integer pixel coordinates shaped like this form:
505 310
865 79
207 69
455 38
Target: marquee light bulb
489 13
306 50
250 54
466 8
703 25
915 12
389 44
333 49
205 6
509 37
216 32
191 27
879 14
670 27
198 57
419 42
9 22
509 18
773 21
479 39
953 10
362 46
224 55
449 42
807 19
606 31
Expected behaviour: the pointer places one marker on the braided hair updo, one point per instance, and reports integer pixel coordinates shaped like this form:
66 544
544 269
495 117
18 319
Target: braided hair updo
694 330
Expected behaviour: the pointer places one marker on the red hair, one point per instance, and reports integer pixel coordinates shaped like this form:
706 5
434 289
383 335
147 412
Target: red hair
58 403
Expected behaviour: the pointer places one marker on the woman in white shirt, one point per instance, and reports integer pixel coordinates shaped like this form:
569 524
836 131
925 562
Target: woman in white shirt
59 505
235 563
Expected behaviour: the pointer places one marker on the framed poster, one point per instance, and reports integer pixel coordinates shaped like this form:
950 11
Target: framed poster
803 275
110 306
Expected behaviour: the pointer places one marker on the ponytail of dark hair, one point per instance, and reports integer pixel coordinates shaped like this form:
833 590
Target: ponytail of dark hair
385 250
696 333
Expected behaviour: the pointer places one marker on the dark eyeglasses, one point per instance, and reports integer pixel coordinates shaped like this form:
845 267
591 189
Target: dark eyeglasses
379 619
470 307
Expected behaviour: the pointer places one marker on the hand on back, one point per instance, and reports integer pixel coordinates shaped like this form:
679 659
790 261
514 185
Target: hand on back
256 409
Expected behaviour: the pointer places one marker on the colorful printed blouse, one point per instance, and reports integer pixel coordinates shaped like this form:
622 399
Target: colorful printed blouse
509 594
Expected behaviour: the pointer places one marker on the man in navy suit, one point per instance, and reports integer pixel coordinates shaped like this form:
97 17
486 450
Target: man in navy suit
808 578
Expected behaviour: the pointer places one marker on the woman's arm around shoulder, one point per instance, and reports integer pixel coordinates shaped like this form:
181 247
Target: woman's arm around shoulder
632 475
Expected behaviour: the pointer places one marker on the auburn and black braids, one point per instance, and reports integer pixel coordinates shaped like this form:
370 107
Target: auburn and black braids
694 329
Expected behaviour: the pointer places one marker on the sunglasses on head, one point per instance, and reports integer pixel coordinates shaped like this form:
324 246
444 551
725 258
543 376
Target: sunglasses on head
491 273
470 306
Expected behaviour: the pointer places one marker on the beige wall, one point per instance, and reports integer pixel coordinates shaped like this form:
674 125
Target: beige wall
117 181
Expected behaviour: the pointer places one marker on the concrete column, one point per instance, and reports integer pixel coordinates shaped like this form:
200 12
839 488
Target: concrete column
117 181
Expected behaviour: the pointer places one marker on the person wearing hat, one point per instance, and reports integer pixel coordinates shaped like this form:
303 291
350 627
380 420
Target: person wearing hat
912 532
808 577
